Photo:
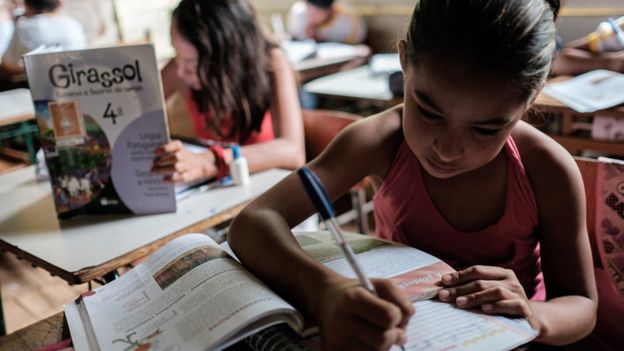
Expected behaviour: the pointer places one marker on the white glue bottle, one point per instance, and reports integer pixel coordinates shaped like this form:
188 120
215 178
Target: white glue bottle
238 167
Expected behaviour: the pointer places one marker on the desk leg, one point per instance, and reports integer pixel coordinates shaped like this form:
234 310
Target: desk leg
109 277
28 138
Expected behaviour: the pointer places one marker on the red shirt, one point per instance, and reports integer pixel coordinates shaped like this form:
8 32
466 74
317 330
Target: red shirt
266 132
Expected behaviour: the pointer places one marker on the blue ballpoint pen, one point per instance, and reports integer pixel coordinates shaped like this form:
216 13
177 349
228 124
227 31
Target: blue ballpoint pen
316 192
617 31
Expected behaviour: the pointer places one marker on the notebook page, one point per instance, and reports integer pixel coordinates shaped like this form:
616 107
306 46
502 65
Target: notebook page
441 326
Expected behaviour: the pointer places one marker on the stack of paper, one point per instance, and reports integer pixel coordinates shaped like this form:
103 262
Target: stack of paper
589 92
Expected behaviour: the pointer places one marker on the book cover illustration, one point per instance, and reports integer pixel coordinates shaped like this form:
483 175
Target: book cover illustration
101 115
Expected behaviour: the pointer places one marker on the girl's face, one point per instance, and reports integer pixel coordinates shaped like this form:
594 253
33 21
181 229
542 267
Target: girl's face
186 59
456 119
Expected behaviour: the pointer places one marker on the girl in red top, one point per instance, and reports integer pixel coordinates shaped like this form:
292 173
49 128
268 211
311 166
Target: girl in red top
239 87
459 175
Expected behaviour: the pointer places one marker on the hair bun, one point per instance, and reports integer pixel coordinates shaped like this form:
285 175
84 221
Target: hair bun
555 6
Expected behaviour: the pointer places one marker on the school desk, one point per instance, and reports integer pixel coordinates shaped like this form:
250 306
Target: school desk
342 60
355 84
567 117
16 110
79 250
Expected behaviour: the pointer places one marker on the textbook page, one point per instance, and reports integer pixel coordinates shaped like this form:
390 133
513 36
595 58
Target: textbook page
589 92
441 326
189 295
415 272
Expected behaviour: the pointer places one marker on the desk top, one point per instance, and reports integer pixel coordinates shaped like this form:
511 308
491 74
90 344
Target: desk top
81 249
357 83
17 106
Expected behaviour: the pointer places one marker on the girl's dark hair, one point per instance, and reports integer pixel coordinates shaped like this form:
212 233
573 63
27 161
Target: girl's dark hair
233 64
42 6
324 4
516 38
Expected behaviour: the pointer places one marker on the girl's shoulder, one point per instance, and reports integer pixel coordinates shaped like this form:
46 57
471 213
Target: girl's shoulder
376 139
547 163
381 130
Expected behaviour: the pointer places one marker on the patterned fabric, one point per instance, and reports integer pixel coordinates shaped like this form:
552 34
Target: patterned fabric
610 218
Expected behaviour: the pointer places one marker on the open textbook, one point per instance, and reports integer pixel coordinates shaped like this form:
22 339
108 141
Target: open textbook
194 295
589 92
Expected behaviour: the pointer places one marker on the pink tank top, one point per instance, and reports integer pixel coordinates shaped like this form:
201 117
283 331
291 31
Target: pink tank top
201 128
404 212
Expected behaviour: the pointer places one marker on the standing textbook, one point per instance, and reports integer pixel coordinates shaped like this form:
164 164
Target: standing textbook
192 295
101 115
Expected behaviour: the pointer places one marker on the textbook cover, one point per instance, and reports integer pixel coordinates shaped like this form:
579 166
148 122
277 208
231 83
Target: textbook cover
101 115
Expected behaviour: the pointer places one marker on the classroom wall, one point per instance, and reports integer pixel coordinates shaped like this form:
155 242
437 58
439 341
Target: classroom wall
108 21
387 19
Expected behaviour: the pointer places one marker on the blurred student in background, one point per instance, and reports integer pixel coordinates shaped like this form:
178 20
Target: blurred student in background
326 20
238 87
6 24
600 49
43 23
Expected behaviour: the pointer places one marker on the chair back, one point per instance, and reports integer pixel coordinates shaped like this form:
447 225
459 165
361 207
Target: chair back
321 126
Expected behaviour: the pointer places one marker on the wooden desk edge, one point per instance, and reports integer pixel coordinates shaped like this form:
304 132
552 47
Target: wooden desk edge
16 119
87 274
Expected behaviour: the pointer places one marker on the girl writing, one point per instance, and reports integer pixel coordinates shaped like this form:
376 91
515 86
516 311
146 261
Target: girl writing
238 86
459 175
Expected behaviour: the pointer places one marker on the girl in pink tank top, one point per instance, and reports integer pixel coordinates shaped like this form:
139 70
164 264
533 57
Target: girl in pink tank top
404 212
458 174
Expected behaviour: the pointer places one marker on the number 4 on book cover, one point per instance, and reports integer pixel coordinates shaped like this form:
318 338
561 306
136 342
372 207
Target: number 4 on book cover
101 115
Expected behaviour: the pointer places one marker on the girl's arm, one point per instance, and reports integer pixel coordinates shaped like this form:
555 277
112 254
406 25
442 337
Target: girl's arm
349 316
570 310
573 61
287 150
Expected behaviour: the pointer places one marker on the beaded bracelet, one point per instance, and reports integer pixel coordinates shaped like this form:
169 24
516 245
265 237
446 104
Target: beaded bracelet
223 170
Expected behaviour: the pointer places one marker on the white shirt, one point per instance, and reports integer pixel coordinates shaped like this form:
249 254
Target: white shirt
45 29
345 26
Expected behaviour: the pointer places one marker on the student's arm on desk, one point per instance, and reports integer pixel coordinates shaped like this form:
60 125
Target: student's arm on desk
573 61
348 315
570 310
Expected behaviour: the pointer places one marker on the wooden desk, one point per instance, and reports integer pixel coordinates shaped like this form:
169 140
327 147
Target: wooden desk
574 144
80 250
16 108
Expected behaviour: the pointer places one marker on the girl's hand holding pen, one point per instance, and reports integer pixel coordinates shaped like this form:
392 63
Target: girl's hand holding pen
493 290
179 164
352 318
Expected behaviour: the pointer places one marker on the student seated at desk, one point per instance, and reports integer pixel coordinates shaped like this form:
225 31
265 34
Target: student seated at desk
326 20
42 24
600 49
6 24
238 86
457 141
